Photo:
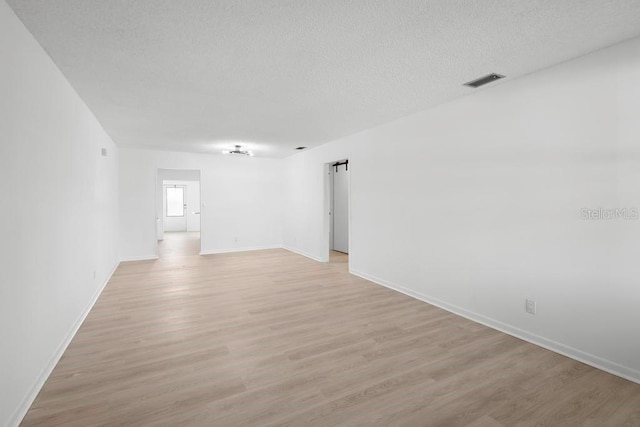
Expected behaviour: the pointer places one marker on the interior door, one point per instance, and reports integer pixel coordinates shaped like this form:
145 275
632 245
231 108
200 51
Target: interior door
340 212
175 208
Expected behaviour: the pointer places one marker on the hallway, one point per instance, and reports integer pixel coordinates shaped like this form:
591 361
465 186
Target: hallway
179 243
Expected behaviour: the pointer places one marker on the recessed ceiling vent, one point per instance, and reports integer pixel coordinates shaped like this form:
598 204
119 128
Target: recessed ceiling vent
484 80
238 151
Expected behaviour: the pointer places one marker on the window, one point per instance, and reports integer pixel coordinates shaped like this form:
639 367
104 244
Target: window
175 201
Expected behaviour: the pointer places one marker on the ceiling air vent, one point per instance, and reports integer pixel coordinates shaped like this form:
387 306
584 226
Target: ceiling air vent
484 80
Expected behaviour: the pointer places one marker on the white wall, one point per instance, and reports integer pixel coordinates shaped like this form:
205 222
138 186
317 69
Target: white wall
59 205
475 206
241 200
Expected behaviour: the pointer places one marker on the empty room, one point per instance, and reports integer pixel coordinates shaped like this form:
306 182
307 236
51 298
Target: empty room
276 212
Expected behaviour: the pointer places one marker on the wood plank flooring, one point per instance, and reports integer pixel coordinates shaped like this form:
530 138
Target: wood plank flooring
181 243
272 338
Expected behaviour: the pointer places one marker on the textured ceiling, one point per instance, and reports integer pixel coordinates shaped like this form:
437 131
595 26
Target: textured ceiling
198 75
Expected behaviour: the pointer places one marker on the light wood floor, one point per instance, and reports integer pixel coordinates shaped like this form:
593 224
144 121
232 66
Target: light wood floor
273 338
179 243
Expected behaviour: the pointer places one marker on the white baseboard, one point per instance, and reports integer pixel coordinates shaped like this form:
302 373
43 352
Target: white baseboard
241 249
27 401
139 258
303 253
573 353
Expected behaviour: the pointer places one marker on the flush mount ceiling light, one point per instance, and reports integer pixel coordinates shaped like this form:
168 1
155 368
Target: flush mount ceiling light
484 80
239 151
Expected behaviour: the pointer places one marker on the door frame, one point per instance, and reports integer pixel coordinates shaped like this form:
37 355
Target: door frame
328 198
158 197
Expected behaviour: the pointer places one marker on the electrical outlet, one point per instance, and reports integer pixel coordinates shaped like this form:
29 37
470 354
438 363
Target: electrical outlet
530 306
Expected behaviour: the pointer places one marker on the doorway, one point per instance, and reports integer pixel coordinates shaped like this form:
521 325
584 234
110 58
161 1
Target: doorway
174 207
178 212
338 203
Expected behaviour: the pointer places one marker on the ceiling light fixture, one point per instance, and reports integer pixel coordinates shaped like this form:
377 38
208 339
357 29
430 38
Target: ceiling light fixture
238 150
